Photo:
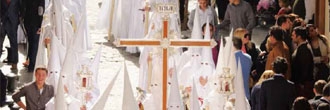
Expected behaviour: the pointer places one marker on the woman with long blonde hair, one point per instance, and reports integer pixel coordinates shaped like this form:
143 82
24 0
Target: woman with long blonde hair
255 94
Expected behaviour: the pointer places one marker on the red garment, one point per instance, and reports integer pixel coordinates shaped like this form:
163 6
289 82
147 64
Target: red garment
215 53
243 48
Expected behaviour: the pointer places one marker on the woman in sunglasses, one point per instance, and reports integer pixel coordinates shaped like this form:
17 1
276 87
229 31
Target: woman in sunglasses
250 48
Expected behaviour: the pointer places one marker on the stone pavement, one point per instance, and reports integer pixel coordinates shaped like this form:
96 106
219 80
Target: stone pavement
112 59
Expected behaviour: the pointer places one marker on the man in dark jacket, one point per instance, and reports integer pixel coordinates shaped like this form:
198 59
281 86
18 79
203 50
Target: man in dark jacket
324 101
302 64
277 93
318 91
33 13
10 14
284 22
299 8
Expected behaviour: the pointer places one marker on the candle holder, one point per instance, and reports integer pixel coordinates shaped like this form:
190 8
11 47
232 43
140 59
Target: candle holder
226 83
85 82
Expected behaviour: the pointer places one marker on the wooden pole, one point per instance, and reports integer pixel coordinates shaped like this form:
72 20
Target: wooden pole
164 78
320 15
327 20
111 18
146 17
149 72
165 31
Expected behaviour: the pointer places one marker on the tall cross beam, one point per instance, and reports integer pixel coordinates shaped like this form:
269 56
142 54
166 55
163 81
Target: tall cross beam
165 43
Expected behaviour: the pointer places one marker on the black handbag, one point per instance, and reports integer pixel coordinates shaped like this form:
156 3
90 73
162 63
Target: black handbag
260 66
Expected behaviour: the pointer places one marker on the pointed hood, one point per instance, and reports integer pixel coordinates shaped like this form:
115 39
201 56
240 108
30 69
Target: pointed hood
207 32
241 101
194 102
190 69
69 69
58 7
226 58
60 103
220 64
175 101
82 40
129 102
96 59
207 62
196 32
231 59
100 103
226 55
94 67
57 55
221 58
228 49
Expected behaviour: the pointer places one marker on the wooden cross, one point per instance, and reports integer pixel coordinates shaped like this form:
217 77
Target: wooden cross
165 43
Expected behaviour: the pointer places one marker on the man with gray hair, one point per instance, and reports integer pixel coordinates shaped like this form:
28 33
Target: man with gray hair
239 14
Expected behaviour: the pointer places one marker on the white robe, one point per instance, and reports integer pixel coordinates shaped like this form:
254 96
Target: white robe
64 29
202 91
136 28
214 101
83 42
121 18
103 21
73 103
116 16
190 68
156 78
206 70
